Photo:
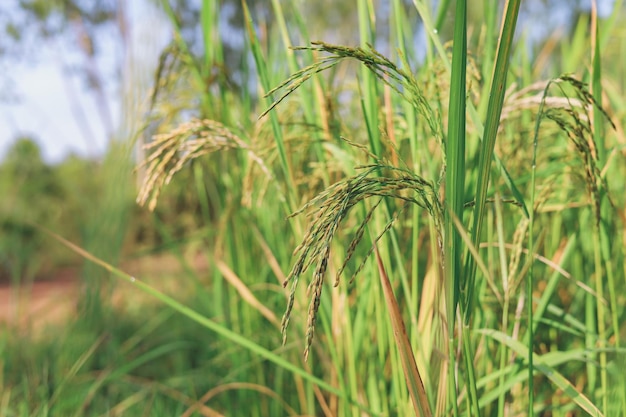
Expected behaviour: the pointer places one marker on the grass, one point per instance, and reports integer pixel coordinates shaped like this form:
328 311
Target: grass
471 207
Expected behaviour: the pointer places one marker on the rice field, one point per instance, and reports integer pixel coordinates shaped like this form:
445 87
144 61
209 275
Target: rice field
428 221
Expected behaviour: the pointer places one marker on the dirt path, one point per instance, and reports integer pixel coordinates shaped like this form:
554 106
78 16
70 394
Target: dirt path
41 303
53 301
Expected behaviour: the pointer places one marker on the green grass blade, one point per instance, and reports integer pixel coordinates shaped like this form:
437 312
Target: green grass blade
544 367
195 69
75 368
494 109
368 85
441 14
551 286
599 132
204 321
310 102
596 89
111 375
266 84
433 35
512 376
455 169
455 193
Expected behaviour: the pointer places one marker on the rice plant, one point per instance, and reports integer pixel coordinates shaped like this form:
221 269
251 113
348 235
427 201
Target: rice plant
455 218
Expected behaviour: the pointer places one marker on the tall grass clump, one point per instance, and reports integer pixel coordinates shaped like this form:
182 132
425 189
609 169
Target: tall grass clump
471 205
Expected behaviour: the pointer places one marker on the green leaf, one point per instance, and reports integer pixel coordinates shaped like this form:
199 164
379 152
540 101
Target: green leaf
544 366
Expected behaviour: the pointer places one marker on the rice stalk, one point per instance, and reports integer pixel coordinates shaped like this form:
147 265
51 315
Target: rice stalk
401 80
170 152
331 207
574 120
577 123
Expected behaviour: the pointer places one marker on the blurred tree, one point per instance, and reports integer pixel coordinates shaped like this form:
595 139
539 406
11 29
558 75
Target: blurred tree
75 23
31 195
76 32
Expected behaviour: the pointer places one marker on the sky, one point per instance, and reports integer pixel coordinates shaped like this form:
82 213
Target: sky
46 99
43 111
61 115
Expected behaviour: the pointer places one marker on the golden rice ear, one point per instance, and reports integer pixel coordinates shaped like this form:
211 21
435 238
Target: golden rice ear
169 152
332 207
574 118
400 79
